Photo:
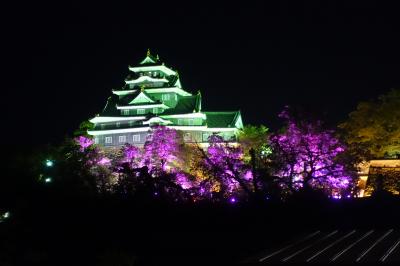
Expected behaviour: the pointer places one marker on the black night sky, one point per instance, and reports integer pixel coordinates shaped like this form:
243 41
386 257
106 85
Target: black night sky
61 62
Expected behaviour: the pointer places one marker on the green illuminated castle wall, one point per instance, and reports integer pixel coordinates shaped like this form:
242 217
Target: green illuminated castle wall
153 95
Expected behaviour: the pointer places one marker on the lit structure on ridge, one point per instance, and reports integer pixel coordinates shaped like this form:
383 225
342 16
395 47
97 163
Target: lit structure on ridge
153 95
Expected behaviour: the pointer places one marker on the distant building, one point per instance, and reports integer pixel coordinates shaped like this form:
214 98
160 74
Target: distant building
153 95
389 169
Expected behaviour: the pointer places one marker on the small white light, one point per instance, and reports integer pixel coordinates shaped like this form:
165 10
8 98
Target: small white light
49 163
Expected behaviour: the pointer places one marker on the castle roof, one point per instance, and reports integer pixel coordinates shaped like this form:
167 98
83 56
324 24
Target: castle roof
150 59
187 104
157 97
222 119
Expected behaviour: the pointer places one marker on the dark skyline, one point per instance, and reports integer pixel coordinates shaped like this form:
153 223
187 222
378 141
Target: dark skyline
62 62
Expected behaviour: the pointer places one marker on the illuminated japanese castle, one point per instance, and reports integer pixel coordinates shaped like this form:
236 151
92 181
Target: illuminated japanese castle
153 95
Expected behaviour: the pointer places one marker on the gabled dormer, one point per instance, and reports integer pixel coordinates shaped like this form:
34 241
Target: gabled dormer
142 97
150 59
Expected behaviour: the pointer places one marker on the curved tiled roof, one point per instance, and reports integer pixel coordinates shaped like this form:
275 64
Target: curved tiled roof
222 119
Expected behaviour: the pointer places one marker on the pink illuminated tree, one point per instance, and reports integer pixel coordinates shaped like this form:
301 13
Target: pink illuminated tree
224 168
84 142
307 156
133 156
162 149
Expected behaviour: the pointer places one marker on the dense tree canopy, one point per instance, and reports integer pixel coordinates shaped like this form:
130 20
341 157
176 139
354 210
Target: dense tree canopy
375 126
254 139
162 148
302 156
306 156
224 170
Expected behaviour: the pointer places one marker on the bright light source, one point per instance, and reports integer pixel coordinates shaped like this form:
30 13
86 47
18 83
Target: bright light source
4 216
47 180
336 196
49 163
232 200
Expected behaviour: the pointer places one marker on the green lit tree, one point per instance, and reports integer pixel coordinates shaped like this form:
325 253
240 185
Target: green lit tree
254 142
73 168
83 128
254 139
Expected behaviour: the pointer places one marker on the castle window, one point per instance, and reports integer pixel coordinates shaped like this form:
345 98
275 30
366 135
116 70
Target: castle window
125 112
108 140
136 138
155 110
102 126
141 111
180 121
165 97
187 137
191 122
118 124
121 139
96 140
206 136
130 123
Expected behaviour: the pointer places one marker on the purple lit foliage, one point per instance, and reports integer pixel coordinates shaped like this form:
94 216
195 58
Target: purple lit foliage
133 156
84 142
160 153
96 163
224 165
306 156
90 154
183 180
104 161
